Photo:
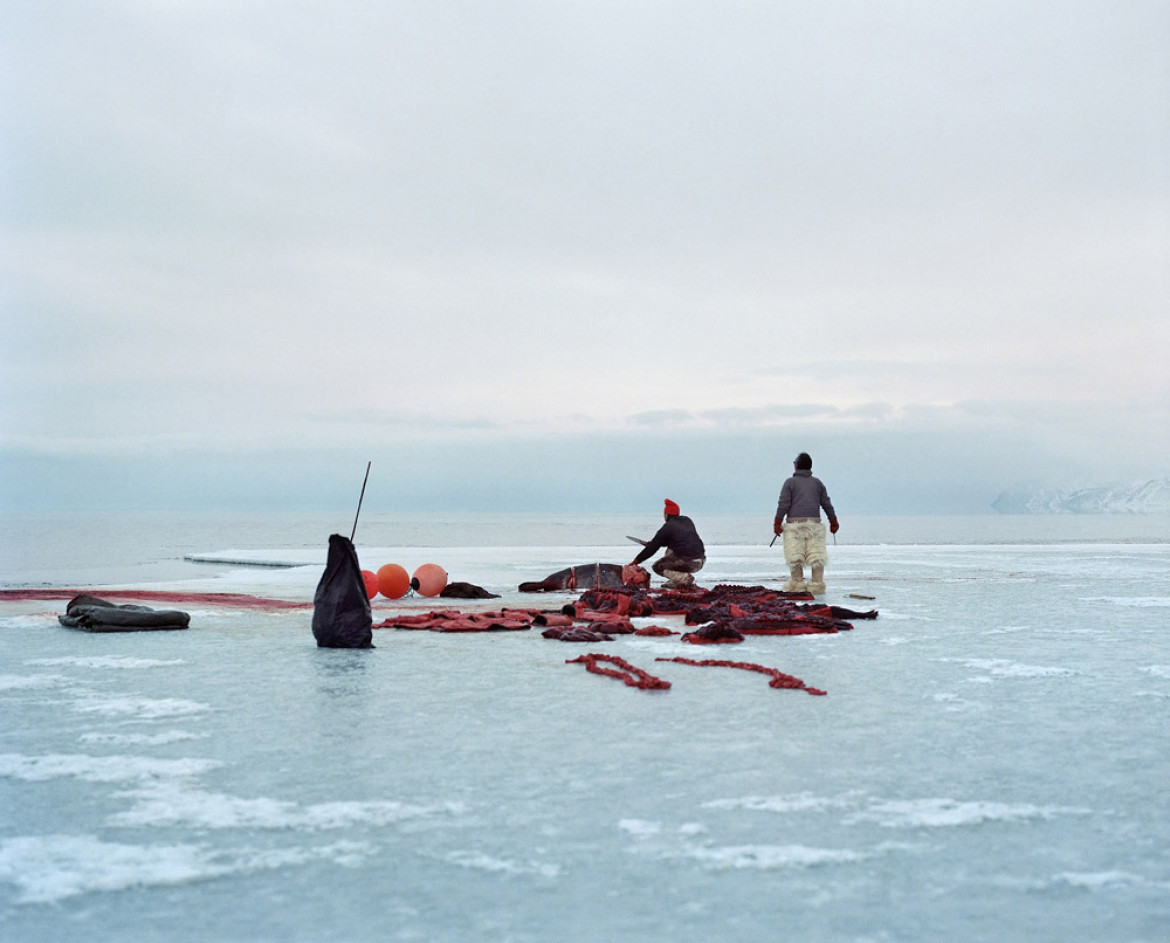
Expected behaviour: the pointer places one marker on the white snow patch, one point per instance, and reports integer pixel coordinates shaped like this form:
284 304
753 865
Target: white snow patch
106 661
171 804
145 708
804 802
1002 668
99 769
53 867
32 682
1093 880
769 857
49 868
479 861
640 827
949 813
141 739
28 621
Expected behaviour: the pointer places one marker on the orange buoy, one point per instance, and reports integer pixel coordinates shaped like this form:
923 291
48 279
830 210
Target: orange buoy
430 579
371 580
393 581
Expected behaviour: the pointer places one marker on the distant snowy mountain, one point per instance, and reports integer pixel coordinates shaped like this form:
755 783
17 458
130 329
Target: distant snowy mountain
1151 498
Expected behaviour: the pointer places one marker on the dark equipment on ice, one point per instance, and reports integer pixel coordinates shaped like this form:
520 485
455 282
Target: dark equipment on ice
91 614
341 607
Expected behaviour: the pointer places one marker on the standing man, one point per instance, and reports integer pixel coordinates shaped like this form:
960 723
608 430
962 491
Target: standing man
685 553
801 499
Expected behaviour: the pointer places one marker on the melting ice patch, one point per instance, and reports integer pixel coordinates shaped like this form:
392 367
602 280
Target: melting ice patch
1002 668
33 621
956 704
143 708
171 803
106 661
804 802
478 861
141 739
32 682
165 797
1155 671
894 813
48 868
87 701
948 813
640 827
98 769
768 857
1096 879
52 867
1088 881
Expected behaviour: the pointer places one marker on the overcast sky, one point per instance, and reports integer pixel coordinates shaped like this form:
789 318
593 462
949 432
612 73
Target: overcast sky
581 254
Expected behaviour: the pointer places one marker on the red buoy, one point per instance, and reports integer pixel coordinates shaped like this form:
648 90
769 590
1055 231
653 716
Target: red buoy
393 581
371 580
430 579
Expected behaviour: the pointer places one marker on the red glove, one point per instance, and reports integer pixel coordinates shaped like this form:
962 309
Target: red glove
834 527
778 526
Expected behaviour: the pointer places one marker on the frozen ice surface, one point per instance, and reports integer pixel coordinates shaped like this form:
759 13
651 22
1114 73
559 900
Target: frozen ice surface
990 762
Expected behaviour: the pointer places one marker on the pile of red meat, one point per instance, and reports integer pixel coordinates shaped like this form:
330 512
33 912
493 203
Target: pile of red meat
452 620
723 614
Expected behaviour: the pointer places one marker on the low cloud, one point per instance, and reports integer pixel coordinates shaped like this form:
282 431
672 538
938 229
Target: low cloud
938 459
663 417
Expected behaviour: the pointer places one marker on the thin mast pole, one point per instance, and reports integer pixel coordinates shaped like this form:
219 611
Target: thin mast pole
360 499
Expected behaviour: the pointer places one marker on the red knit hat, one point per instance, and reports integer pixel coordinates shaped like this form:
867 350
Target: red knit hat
671 508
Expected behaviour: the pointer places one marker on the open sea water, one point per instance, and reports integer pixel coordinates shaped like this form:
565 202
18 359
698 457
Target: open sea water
991 762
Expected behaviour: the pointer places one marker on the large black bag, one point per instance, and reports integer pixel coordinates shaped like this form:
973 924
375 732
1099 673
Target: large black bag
341 608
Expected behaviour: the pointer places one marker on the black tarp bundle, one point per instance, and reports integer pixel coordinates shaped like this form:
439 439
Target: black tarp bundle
341 608
91 614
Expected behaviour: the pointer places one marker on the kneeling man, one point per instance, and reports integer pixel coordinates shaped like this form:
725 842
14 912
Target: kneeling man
685 553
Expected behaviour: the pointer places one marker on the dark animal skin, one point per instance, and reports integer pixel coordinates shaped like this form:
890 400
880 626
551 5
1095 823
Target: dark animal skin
589 576
466 591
